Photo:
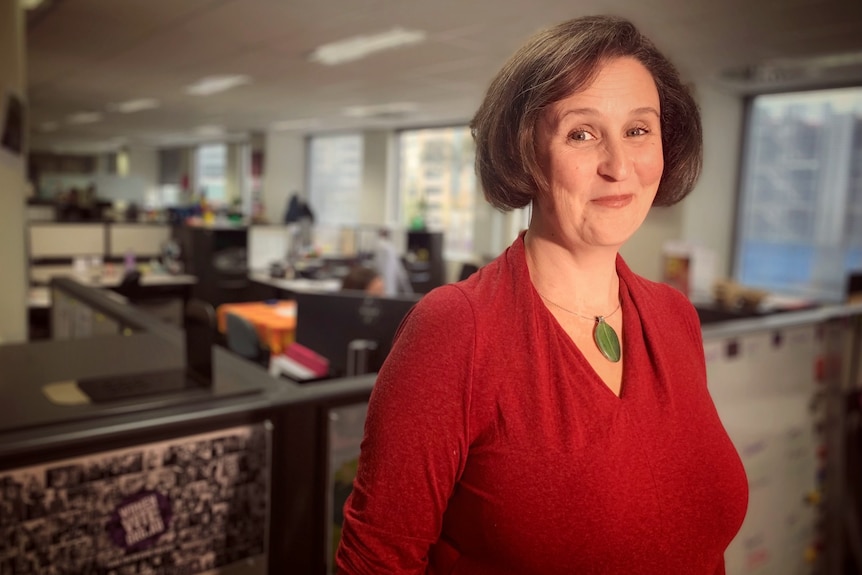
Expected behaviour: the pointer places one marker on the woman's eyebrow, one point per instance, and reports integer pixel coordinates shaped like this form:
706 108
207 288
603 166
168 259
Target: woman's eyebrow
595 112
646 110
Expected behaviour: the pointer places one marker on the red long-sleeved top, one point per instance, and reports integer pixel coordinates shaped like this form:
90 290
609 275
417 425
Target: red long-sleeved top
492 446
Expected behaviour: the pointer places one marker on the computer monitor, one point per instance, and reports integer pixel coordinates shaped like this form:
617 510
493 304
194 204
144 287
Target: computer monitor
353 330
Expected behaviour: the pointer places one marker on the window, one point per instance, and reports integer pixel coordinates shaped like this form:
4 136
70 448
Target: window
437 184
335 178
210 172
800 214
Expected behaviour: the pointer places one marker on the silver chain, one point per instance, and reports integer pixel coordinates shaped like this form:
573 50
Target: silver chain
593 318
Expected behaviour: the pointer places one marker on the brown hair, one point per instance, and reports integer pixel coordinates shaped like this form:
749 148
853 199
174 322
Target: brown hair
358 278
559 62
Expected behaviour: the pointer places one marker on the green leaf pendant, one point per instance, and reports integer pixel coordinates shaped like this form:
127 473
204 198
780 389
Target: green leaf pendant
606 340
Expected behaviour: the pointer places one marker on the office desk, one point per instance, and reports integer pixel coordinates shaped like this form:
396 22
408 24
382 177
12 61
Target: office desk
275 322
160 294
39 297
114 279
152 283
296 284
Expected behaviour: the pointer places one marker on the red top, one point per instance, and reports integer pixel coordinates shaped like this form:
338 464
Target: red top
493 447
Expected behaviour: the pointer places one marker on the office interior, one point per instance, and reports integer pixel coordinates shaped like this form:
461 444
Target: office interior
132 397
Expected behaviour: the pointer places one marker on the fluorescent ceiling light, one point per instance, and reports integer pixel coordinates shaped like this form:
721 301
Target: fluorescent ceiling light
301 124
215 84
31 4
192 138
139 105
84 118
209 131
824 61
391 110
361 46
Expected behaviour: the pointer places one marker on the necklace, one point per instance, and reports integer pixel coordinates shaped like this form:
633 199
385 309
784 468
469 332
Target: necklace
603 334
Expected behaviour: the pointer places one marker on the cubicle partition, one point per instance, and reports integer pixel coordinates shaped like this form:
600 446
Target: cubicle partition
268 244
52 247
781 384
238 479
96 253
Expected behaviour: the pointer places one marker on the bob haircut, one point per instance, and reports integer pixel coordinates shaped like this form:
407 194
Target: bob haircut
551 66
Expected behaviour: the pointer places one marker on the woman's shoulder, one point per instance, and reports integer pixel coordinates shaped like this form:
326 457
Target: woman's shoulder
442 302
487 286
662 292
665 300
639 285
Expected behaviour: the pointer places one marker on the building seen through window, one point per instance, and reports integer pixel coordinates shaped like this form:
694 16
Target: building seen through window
437 185
799 228
211 172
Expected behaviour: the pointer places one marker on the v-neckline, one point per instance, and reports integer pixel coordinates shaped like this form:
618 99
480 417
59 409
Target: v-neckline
626 338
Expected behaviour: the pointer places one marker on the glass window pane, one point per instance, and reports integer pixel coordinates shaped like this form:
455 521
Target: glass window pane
335 178
437 185
800 217
211 164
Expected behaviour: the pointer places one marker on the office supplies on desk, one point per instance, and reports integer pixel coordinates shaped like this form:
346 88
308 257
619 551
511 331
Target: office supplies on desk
300 363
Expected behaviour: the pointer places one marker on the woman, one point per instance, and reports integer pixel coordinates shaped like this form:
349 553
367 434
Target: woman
550 414
389 266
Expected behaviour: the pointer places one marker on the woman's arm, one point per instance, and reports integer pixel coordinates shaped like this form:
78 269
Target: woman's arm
416 441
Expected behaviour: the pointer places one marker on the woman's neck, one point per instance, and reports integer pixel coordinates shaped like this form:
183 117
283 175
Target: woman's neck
579 278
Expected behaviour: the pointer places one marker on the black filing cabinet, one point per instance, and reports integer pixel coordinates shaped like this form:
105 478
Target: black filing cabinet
218 257
424 260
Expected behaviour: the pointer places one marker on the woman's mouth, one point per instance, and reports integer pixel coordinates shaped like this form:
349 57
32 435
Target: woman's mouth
615 201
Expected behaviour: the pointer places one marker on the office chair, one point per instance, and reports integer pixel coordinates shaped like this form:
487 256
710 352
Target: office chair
130 285
166 308
243 340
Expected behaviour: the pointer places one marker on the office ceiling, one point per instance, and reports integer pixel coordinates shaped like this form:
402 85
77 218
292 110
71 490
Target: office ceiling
87 55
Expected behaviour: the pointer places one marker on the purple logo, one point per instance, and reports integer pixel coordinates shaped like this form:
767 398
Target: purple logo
139 521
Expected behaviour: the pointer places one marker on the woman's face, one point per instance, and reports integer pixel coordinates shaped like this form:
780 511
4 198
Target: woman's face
602 156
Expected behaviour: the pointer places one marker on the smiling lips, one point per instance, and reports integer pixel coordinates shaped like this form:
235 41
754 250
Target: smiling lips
615 201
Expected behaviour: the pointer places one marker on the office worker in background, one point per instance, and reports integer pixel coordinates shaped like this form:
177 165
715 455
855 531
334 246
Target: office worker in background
550 414
365 279
388 264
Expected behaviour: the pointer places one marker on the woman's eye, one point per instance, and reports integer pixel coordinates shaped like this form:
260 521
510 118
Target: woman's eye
637 132
580 136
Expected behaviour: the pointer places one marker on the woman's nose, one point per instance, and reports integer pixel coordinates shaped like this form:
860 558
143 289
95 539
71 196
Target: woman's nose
614 163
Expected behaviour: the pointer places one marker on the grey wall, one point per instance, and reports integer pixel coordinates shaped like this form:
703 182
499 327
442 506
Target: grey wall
13 186
284 172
